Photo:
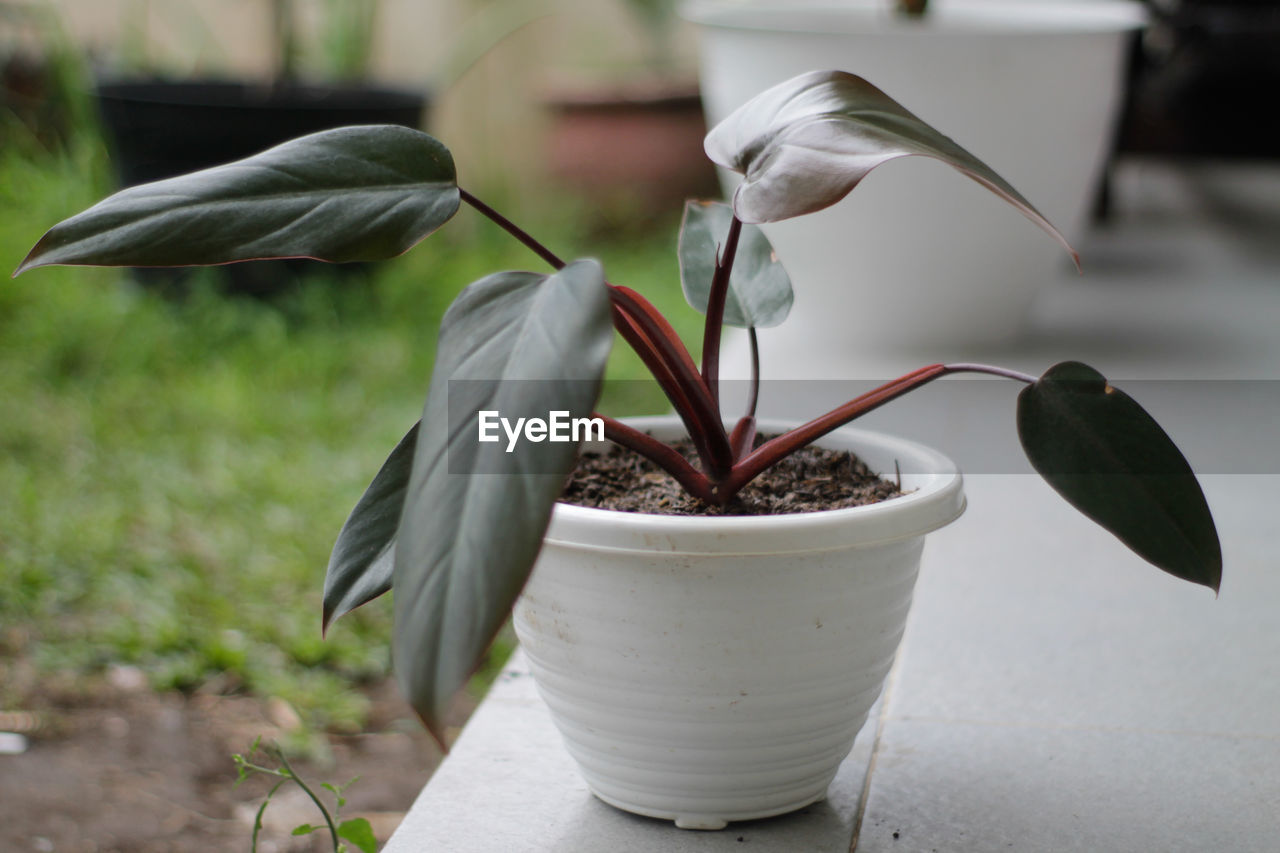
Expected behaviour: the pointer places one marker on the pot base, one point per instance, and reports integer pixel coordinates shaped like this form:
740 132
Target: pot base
706 822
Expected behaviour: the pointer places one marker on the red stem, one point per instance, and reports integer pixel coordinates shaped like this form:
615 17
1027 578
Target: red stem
702 409
643 311
743 437
776 449
651 336
665 457
715 312
514 230
671 386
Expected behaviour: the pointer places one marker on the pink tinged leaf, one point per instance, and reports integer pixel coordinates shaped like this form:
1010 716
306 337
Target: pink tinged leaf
803 145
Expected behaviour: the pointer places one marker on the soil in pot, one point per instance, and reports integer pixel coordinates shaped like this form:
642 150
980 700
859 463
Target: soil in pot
811 480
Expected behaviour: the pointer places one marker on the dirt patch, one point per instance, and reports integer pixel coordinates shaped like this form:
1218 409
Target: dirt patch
112 769
810 480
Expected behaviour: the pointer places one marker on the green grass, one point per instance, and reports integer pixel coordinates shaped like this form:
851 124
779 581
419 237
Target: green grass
173 472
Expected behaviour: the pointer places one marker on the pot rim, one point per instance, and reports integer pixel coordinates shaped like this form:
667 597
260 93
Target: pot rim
957 17
936 499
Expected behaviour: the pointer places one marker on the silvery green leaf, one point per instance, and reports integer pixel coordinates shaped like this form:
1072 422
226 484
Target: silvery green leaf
360 567
759 288
351 194
523 345
805 144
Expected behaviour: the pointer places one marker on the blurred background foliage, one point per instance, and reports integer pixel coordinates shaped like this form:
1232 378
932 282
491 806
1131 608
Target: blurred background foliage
175 465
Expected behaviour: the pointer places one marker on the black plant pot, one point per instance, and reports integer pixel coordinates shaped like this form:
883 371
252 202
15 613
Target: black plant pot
1201 93
157 129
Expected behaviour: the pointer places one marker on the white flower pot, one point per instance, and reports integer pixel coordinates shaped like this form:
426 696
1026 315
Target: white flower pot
707 670
919 256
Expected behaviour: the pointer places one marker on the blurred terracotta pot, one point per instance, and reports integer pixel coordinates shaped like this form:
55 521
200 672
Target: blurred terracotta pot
638 147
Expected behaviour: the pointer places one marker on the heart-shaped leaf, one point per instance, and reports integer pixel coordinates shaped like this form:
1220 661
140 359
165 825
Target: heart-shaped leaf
759 288
522 345
361 565
1102 452
351 194
804 144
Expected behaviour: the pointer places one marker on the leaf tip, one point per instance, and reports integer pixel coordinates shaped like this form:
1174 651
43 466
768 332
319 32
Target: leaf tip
436 730
28 263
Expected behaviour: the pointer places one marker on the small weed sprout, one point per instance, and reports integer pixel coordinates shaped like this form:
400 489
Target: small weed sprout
355 830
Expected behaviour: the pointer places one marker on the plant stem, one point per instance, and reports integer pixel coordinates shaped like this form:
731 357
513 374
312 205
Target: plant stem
743 437
651 336
662 455
1004 372
715 312
776 449
670 384
262 809
328 819
629 301
651 320
514 230
702 408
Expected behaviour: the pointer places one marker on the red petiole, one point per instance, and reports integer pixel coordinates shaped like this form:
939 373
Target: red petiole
671 386
715 310
664 456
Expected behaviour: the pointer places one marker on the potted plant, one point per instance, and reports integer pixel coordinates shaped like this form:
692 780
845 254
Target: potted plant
1028 84
685 659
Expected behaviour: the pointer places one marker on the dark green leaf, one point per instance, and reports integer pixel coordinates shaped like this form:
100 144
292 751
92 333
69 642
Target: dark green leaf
303 829
360 833
1102 452
362 562
351 194
804 144
522 345
759 288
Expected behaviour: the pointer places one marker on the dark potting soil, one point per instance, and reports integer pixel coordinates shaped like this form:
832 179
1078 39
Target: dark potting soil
810 480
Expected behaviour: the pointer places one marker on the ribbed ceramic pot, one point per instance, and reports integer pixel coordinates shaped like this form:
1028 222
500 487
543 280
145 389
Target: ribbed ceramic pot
707 670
